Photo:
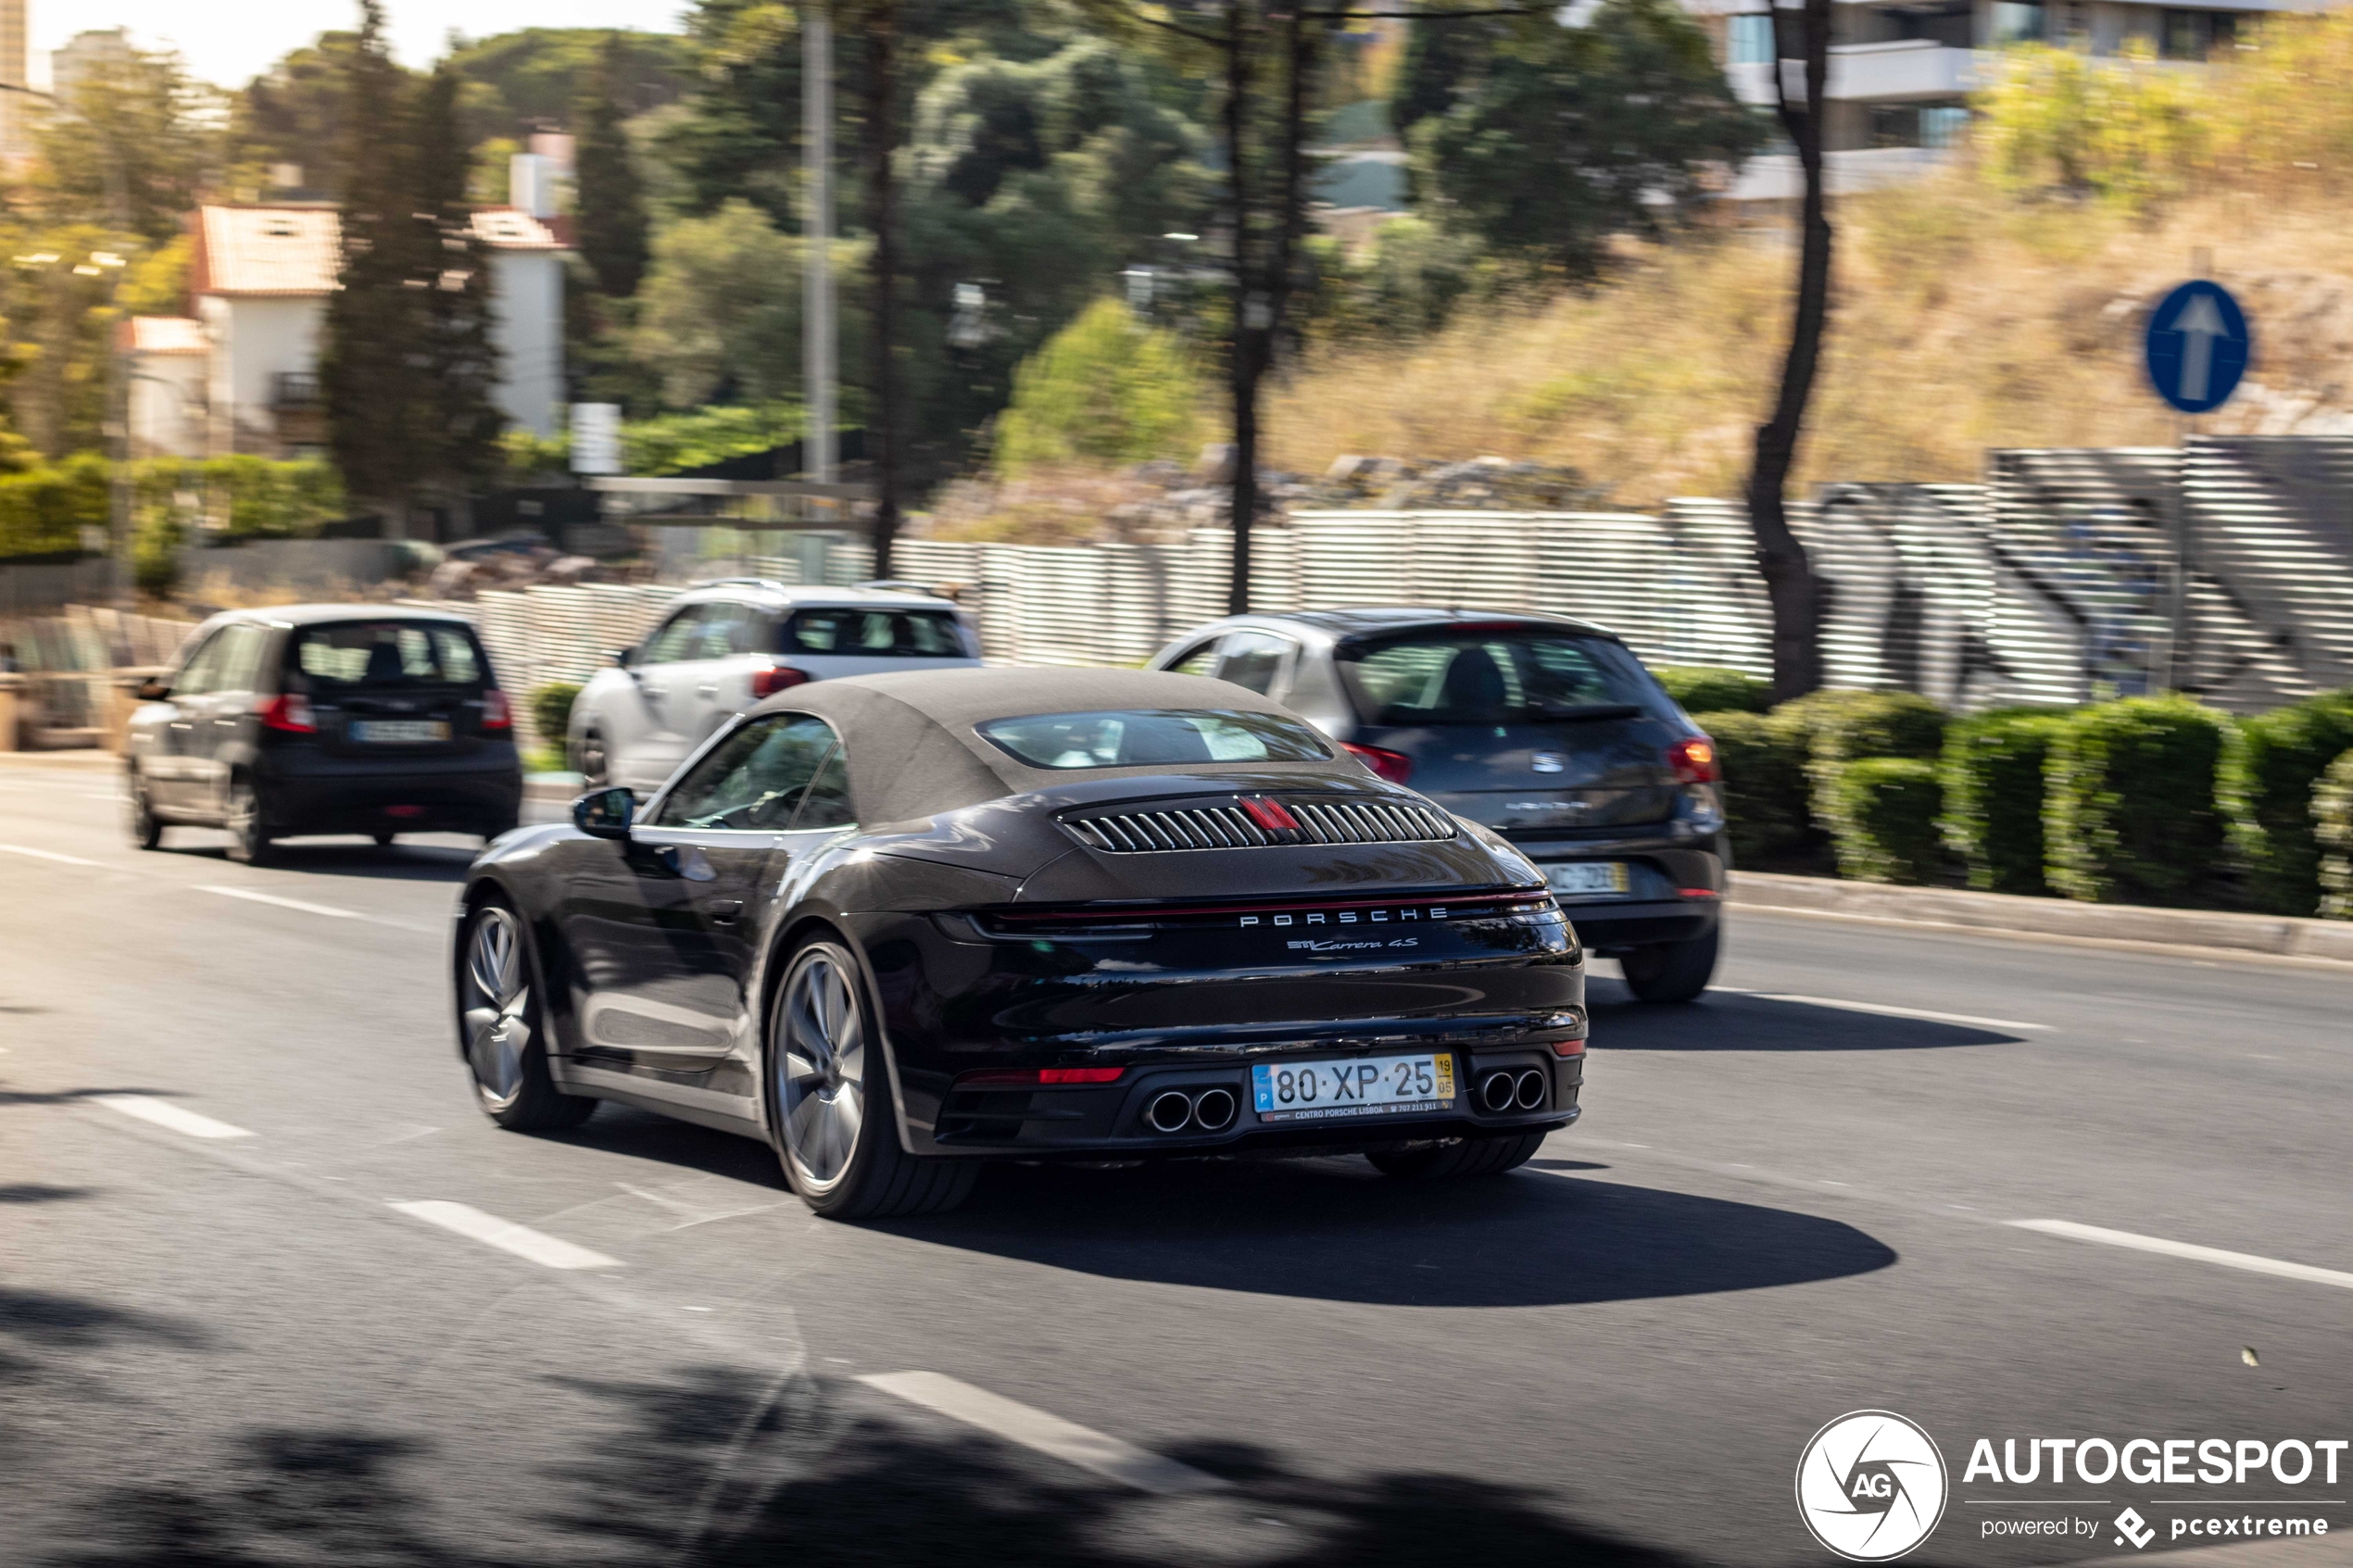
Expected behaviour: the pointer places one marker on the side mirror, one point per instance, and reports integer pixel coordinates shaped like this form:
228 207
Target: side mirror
605 813
153 689
623 658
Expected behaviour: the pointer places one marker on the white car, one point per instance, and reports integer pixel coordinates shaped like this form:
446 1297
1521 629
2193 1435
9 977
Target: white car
726 645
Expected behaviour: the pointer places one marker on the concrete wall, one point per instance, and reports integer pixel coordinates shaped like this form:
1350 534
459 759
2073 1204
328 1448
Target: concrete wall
527 323
326 567
168 417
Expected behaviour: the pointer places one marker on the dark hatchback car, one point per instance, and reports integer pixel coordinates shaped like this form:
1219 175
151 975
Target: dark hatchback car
324 718
1549 731
898 925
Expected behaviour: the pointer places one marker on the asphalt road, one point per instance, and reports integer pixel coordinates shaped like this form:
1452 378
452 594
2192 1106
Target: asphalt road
222 1340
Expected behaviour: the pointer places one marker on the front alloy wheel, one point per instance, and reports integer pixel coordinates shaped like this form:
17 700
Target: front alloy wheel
831 1114
498 1013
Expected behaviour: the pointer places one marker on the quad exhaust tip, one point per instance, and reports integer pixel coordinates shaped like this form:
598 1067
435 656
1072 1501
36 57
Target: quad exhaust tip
1207 1110
1532 1088
1496 1091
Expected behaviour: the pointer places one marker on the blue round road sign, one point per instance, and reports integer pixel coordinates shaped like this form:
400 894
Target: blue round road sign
2197 346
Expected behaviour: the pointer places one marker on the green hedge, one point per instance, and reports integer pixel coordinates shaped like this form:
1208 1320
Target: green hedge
1883 818
1994 795
44 510
551 711
2333 826
1763 756
2130 815
2271 763
1841 726
1700 688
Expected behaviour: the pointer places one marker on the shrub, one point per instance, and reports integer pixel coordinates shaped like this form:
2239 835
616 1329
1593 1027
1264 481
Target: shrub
1108 388
2333 825
2271 764
1841 726
1884 812
552 710
1701 688
2130 815
44 510
1763 756
1993 794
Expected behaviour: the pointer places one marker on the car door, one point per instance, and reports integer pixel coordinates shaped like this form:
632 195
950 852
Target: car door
715 684
223 715
170 763
647 744
661 926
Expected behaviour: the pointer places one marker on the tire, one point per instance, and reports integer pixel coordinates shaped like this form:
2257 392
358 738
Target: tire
502 1029
248 825
831 1118
1472 1156
591 762
147 829
1672 972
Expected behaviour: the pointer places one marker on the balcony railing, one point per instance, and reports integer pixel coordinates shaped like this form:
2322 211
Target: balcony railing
294 389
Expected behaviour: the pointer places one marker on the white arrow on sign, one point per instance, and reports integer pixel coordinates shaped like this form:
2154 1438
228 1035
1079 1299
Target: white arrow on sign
2199 324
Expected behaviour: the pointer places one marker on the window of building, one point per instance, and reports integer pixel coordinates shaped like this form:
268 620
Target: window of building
1942 125
2017 23
1749 42
2193 35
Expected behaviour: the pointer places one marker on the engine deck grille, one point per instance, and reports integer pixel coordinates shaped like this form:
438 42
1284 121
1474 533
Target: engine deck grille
1230 827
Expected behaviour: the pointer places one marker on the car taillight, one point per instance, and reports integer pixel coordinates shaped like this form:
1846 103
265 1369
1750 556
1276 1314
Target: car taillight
496 712
1569 1047
777 678
1394 766
1693 760
289 712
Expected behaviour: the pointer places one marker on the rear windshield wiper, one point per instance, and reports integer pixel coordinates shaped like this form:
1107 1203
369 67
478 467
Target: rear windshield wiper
1590 711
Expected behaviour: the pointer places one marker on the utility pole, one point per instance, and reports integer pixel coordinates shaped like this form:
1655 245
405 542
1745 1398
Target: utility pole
817 337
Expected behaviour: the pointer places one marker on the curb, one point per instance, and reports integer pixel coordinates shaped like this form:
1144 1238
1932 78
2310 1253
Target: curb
2003 914
84 757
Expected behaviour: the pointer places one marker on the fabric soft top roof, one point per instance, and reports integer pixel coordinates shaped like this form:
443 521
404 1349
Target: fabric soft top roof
914 752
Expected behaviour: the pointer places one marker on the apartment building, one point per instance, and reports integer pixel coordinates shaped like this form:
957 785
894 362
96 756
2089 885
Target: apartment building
1901 71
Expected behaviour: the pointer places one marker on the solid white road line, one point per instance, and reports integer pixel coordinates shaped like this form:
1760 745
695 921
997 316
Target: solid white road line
1067 1442
1898 1012
247 893
163 1113
45 854
554 1253
2247 1260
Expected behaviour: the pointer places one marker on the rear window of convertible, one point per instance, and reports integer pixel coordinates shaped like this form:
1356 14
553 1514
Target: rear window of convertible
1155 737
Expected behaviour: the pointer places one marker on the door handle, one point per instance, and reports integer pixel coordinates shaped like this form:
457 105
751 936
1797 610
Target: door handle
707 691
653 690
725 911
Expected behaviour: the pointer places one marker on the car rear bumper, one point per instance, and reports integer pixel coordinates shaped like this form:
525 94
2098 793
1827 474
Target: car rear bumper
1609 928
482 793
1109 1122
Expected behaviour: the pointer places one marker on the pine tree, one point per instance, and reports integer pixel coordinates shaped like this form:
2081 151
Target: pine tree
368 369
459 361
612 203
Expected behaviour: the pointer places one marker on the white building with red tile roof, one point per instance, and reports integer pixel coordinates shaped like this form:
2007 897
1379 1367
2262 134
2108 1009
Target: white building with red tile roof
167 357
260 276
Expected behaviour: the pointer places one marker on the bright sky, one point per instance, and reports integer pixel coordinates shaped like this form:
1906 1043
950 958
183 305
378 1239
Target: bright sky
229 44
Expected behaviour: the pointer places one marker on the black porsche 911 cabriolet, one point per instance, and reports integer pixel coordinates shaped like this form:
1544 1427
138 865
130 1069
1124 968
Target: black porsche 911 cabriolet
899 924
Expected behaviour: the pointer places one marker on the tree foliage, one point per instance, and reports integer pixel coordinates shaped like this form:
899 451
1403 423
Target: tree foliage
613 205
132 144
1560 137
1105 389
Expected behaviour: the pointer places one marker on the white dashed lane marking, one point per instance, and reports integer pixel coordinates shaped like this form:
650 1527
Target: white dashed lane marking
2252 1262
549 1251
1065 1441
163 1113
247 893
45 854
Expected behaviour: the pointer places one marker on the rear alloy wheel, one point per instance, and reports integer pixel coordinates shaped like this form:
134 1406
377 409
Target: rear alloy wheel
1471 1157
146 828
499 1018
1671 972
248 826
831 1116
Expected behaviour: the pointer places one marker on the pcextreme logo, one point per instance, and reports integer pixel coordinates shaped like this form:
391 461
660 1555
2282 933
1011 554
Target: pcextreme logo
1871 1485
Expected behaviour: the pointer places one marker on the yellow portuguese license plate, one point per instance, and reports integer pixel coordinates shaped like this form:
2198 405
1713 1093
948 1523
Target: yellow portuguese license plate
1364 1085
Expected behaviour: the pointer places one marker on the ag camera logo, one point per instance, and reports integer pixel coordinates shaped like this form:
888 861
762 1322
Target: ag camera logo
1871 1485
